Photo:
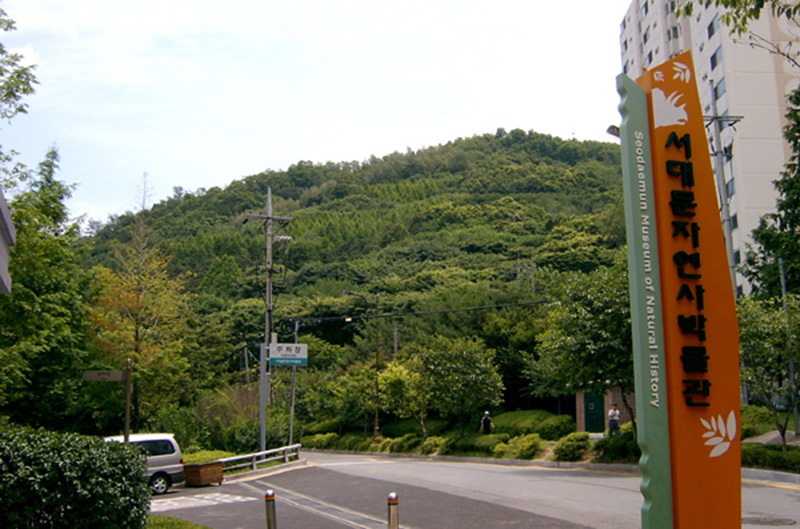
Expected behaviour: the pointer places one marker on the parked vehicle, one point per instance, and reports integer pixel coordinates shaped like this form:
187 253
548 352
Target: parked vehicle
164 458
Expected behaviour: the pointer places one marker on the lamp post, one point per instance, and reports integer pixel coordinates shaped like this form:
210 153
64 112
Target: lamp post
373 308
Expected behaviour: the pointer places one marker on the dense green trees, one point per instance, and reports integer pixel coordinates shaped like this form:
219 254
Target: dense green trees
769 332
586 345
452 239
43 338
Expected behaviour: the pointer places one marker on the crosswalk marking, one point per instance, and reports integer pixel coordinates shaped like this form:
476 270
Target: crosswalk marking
199 500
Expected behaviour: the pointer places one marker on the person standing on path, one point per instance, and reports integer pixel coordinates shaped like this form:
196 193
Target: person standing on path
613 421
486 423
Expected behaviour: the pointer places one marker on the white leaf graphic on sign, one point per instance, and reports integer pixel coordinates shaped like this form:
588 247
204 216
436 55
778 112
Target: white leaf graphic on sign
666 110
682 72
658 76
720 433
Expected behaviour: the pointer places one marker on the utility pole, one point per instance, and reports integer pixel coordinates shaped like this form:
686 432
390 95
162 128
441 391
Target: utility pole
719 172
792 374
264 368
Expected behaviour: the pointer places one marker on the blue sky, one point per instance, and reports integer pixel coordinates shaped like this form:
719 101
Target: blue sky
197 93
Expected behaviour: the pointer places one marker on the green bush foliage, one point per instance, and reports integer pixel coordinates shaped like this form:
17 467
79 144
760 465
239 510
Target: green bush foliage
572 447
434 445
477 442
522 422
191 433
771 457
527 446
320 440
500 450
324 426
67 480
622 449
354 442
242 437
554 428
412 426
755 420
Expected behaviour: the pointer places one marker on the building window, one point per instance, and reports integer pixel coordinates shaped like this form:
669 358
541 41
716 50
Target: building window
713 27
734 222
670 6
674 32
716 58
649 60
645 9
737 257
646 36
730 188
719 89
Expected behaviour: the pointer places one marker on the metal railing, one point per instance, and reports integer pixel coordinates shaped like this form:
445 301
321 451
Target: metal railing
252 461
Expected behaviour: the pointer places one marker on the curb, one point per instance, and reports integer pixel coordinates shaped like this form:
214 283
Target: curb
256 474
753 474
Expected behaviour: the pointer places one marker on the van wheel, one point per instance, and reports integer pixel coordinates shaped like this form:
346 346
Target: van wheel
159 484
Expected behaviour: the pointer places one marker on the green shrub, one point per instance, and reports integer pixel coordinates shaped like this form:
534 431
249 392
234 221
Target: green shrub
572 447
191 433
477 442
526 446
517 423
755 420
556 427
406 444
354 442
326 426
622 449
67 480
771 457
320 440
434 445
412 426
242 437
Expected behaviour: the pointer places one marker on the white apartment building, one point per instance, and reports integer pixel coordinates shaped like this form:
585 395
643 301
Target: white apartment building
749 87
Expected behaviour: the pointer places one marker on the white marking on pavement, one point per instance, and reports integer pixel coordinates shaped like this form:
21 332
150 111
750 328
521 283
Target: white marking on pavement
199 500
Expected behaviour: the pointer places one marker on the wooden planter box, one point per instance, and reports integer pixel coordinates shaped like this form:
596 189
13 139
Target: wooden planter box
203 474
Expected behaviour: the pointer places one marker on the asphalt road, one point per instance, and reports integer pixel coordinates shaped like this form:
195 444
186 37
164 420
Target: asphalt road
337 491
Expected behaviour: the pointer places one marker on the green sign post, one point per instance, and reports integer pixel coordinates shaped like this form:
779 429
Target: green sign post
646 317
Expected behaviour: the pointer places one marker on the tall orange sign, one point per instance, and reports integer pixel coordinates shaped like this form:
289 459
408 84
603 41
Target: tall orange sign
701 347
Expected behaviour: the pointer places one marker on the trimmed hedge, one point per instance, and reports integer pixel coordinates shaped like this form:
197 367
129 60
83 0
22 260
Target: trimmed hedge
755 421
572 447
556 427
412 426
477 442
527 446
517 423
434 446
771 456
622 449
320 440
68 480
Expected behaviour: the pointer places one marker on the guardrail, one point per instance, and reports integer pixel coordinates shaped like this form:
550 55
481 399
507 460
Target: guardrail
259 458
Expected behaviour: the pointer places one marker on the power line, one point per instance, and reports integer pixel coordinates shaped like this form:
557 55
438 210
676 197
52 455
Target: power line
406 314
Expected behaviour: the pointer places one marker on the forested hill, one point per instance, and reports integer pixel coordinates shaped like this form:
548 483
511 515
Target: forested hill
474 207
473 223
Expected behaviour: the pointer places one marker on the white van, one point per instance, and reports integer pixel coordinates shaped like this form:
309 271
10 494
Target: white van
164 458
